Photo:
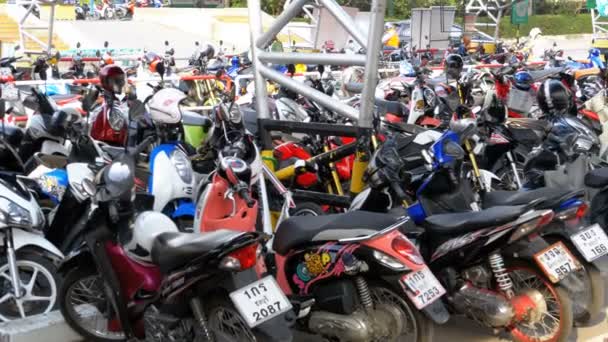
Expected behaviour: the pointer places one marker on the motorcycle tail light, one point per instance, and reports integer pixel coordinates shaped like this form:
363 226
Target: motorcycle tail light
532 225
581 211
574 213
407 250
241 259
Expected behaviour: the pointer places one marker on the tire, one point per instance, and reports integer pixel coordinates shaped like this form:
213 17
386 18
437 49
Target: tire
48 284
307 209
75 276
563 304
219 311
424 327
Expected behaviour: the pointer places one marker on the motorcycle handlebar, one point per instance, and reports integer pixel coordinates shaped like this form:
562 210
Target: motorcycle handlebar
142 146
243 192
396 187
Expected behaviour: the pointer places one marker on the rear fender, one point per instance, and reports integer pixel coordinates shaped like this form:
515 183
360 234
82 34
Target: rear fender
276 329
526 248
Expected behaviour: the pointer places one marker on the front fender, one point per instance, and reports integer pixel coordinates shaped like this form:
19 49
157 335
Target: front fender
75 259
23 239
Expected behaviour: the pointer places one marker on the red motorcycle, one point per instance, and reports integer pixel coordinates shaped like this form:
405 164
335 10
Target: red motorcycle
109 122
130 276
326 260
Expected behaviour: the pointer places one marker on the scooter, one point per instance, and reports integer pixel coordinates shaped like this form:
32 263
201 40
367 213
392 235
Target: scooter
30 280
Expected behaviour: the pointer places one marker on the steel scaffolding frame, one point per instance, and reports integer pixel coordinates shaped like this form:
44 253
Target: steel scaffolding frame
260 41
25 31
492 8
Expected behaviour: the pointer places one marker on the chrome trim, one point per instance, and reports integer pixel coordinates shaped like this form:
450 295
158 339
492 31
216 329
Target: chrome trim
378 233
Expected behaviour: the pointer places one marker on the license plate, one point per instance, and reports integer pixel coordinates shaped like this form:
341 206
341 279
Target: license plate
520 100
422 287
5 72
260 301
592 242
556 261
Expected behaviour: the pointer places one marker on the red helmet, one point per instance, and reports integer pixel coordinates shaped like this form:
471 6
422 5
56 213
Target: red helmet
112 78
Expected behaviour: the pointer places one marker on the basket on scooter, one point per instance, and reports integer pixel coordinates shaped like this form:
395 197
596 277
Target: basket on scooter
520 101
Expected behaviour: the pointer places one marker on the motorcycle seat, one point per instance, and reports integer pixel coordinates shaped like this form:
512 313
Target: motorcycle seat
597 178
393 107
173 250
299 230
550 197
462 223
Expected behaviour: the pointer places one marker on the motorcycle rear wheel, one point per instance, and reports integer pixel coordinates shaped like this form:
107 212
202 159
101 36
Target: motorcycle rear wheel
225 322
418 327
559 313
84 288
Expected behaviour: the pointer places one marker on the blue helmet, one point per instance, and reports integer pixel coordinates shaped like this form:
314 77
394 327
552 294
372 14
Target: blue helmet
523 80
594 52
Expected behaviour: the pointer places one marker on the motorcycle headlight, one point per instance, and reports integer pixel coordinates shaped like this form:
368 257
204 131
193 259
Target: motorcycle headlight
182 165
15 215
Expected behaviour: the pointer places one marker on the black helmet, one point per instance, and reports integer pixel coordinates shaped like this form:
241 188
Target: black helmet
453 66
554 97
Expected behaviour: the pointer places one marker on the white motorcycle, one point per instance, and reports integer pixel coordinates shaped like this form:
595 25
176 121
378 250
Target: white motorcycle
28 273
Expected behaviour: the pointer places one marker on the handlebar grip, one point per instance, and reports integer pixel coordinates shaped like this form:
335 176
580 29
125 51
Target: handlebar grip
396 187
244 193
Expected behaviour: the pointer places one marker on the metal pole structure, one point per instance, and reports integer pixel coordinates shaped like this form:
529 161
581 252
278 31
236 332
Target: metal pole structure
345 20
255 28
371 70
310 93
51 23
280 22
312 58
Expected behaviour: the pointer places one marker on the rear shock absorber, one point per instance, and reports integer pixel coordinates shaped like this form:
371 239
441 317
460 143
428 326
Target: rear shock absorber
199 314
364 294
500 273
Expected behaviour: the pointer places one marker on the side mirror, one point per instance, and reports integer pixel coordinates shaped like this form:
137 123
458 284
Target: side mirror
166 43
17 47
89 99
78 45
554 44
106 44
136 109
196 44
98 54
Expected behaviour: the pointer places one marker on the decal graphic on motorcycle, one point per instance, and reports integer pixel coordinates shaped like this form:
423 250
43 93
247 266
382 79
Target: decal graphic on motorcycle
328 260
53 184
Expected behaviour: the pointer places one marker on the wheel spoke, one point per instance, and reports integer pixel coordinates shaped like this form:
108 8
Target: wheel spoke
37 299
6 297
20 307
30 286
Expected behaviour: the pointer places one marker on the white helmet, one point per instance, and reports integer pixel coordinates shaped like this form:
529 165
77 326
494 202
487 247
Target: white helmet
148 225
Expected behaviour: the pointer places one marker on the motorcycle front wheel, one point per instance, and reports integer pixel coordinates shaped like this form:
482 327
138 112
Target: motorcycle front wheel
85 307
554 322
39 287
